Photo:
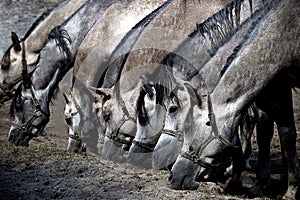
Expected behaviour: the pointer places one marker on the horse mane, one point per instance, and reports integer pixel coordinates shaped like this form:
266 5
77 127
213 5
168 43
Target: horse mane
247 35
61 37
219 26
15 98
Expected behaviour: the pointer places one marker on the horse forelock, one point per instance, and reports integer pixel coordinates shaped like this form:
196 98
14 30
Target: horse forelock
141 109
13 104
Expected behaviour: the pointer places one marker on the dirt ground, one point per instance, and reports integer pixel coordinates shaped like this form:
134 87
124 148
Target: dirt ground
46 171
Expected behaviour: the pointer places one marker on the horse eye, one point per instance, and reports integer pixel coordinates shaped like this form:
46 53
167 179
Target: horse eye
106 98
73 114
68 120
173 109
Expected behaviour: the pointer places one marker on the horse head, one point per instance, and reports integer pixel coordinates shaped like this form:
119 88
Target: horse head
30 109
115 120
151 112
73 115
170 141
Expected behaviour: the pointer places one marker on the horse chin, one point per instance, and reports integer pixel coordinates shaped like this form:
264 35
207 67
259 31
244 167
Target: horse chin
183 174
140 157
165 152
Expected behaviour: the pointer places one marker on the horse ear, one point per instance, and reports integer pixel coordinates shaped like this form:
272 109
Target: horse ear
146 86
67 98
16 42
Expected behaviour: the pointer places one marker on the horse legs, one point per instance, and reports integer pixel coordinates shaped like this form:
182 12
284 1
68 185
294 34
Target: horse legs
234 183
264 131
284 119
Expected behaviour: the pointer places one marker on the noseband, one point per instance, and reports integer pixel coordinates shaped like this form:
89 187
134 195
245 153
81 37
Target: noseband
114 135
214 134
38 113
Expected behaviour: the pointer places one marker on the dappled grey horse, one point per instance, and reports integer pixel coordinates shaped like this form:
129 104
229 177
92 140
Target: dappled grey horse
30 106
90 63
269 48
149 42
34 40
219 27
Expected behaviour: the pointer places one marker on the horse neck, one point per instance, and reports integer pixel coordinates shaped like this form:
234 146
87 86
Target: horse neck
56 17
172 25
68 43
229 50
84 99
100 46
253 60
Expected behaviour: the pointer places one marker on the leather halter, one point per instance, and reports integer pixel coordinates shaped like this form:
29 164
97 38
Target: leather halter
214 134
38 112
174 133
114 135
151 145
77 135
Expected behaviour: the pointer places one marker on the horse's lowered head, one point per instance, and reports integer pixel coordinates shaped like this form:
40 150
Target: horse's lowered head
73 117
30 109
171 139
115 120
151 112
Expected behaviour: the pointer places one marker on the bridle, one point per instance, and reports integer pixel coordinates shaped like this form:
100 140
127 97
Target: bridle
214 135
114 135
77 135
151 145
38 112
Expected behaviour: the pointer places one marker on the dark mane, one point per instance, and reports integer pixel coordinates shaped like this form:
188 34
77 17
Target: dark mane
220 26
142 115
262 12
61 37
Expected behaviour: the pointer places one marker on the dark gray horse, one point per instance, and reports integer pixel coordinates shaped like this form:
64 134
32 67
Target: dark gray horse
30 106
250 68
